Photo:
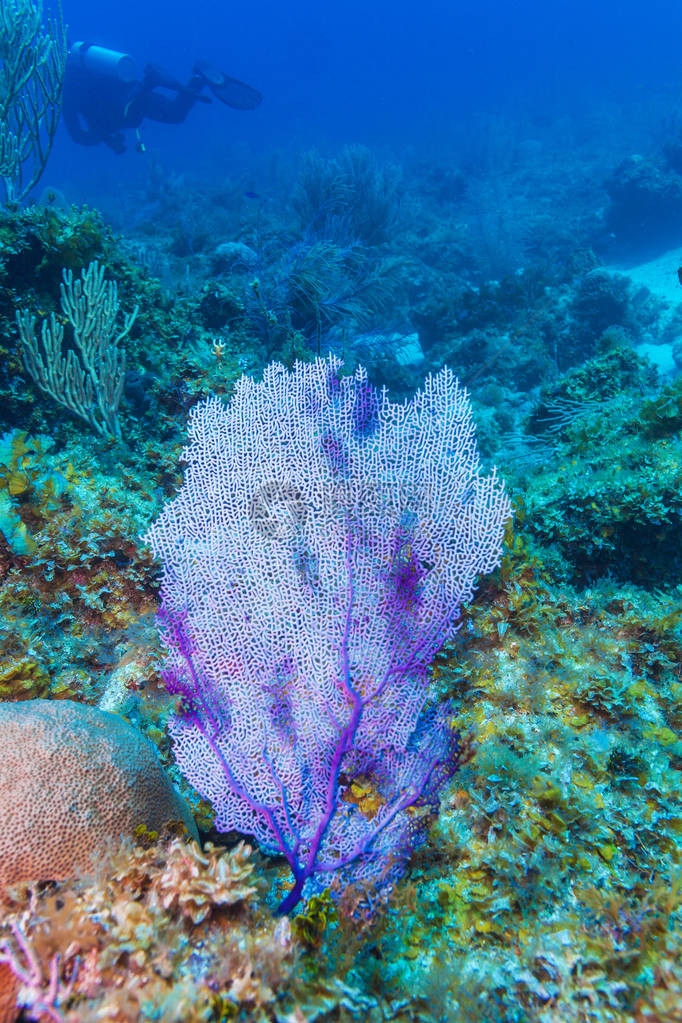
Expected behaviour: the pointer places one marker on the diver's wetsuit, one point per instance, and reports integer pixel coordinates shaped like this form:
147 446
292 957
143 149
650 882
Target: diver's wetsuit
98 108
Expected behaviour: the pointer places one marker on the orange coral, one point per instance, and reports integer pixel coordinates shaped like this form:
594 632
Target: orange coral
9 989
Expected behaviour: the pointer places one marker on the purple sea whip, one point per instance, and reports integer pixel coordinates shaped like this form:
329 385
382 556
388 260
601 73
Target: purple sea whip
315 560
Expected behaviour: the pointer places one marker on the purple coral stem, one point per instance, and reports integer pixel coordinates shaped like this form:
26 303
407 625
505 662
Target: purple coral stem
303 871
344 744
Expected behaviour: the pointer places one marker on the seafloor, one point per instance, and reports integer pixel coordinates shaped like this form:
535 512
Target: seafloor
548 888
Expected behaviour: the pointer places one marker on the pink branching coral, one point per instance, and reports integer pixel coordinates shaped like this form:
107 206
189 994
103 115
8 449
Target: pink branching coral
40 995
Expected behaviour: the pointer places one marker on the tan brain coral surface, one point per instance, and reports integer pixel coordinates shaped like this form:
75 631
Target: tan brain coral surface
72 778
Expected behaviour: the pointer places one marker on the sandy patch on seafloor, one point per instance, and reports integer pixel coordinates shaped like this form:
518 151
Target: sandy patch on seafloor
659 276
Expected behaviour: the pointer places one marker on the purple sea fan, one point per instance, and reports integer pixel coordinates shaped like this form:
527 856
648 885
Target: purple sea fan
312 569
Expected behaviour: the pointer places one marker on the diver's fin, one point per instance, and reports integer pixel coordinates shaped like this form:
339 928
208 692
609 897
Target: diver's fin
228 90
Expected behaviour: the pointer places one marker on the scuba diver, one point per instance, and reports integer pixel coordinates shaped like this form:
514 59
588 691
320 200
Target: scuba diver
103 97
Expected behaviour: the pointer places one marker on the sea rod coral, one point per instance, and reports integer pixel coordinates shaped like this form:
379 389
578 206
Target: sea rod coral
315 560
32 64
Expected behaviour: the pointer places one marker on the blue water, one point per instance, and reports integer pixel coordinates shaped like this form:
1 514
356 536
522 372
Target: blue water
411 77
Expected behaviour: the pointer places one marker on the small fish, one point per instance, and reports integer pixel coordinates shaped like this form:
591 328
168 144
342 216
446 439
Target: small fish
251 195
679 274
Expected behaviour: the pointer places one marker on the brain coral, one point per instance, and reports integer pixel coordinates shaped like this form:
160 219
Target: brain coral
72 778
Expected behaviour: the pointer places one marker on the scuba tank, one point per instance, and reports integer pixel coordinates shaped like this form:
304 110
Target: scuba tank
99 60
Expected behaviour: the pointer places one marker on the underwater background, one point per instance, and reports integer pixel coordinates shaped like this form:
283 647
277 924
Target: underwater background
493 188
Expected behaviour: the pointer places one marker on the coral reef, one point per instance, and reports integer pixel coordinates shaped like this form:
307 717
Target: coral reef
547 887
619 515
